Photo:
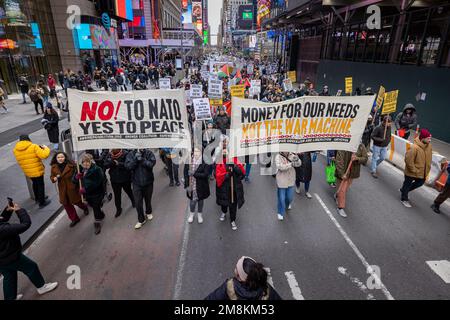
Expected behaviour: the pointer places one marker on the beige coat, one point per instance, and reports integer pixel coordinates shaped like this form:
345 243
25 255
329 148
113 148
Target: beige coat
285 170
418 160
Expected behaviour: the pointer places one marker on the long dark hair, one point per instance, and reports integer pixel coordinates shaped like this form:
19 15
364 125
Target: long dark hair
54 161
256 275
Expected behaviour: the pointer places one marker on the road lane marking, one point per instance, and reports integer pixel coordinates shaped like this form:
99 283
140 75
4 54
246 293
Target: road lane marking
357 282
269 277
441 268
355 249
182 260
293 284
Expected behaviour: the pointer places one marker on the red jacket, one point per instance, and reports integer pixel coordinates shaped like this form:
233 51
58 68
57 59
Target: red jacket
51 83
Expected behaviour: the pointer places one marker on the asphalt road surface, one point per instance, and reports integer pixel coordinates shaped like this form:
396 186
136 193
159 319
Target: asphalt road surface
382 250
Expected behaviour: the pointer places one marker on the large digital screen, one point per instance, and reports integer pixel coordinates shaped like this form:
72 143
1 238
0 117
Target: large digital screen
186 9
84 37
101 39
197 11
124 9
36 35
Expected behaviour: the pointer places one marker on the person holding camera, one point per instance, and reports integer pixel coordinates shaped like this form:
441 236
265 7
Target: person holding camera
12 259
286 162
62 172
140 163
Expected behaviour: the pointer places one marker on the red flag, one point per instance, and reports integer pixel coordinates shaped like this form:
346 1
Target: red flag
227 105
224 69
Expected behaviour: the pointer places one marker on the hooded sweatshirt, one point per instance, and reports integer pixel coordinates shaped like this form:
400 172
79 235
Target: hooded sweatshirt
402 121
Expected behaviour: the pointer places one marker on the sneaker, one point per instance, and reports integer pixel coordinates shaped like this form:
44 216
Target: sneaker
222 217
308 195
150 217
290 207
342 213
19 296
139 225
297 190
233 226
280 217
333 185
374 174
178 184
74 223
407 204
171 184
46 203
118 213
199 218
435 208
97 228
47 287
191 217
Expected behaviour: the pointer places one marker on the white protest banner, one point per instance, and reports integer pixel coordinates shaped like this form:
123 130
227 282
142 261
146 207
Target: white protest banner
196 91
202 109
164 83
287 85
303 124
129 120
215 89
256 86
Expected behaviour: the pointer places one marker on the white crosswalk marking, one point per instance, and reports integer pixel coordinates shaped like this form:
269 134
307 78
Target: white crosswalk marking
441 268
293 284
269 277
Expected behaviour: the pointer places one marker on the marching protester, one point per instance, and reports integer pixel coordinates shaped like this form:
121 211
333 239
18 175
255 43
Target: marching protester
196 176
140 163
348 168
406 121
13 260
417 165
222 121
285 162
92 187
35 95
171 160
381 137
62 173
120 177
444 194
367 132
229 187
24 88
50 123
30 156
303 173
249 283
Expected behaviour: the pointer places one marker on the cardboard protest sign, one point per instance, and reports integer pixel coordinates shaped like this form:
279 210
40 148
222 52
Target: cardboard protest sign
287 85
303 124
129 120
196 91
256 85
215 89
238 91
216 102
380 97
250 69
292 75
164 83
390 102
349 85
202 109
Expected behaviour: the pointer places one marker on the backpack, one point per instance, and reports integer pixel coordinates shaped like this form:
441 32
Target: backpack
34 96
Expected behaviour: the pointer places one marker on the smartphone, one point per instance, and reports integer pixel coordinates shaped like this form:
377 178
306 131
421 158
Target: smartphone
10 202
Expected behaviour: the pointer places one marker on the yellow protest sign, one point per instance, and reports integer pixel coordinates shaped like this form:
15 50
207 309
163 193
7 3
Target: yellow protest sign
216 102
292 75
349 85
390 102
380 97
238 91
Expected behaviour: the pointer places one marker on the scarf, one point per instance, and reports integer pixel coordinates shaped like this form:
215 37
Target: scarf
221 170
117 155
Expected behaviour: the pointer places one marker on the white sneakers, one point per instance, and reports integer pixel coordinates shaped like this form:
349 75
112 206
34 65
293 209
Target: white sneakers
19 296
280 217
342 213
222 217
150 217
199 218
233 226
308 195
47 287
191 217
139 225
297 190
290 207
407 204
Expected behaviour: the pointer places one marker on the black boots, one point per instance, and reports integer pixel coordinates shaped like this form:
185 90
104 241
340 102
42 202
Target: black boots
435 208
97 227
118 213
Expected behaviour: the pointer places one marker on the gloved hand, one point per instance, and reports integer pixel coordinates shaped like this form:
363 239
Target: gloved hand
78 176
82 191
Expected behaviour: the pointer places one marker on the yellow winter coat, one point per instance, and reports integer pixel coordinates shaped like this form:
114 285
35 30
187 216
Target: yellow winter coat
29 157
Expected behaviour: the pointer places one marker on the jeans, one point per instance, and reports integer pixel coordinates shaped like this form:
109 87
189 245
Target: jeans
233 210
117 189
410 184
24 97
193 204
142 194
307 184
285 197
378 156
9 271
248 167
39 189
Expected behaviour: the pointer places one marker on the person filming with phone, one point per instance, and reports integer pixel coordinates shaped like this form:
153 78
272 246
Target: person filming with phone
12 259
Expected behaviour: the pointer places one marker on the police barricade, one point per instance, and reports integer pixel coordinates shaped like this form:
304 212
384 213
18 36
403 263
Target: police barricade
396 156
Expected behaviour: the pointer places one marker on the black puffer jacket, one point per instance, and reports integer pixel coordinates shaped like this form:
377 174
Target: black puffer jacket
223 193
304 172
222 123
118 172
201 177
241 292
141 171
93 182
10 245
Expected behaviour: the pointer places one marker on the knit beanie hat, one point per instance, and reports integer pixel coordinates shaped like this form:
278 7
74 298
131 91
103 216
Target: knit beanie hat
424 133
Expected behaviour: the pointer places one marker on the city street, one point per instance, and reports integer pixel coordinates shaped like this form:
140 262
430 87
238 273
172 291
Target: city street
313 254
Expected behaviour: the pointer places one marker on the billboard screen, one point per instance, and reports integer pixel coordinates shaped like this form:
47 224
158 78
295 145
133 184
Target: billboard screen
84 36
245 20
186 11
36 35
124 9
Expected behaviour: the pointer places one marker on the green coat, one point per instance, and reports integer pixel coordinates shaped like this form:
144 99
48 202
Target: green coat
343 159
